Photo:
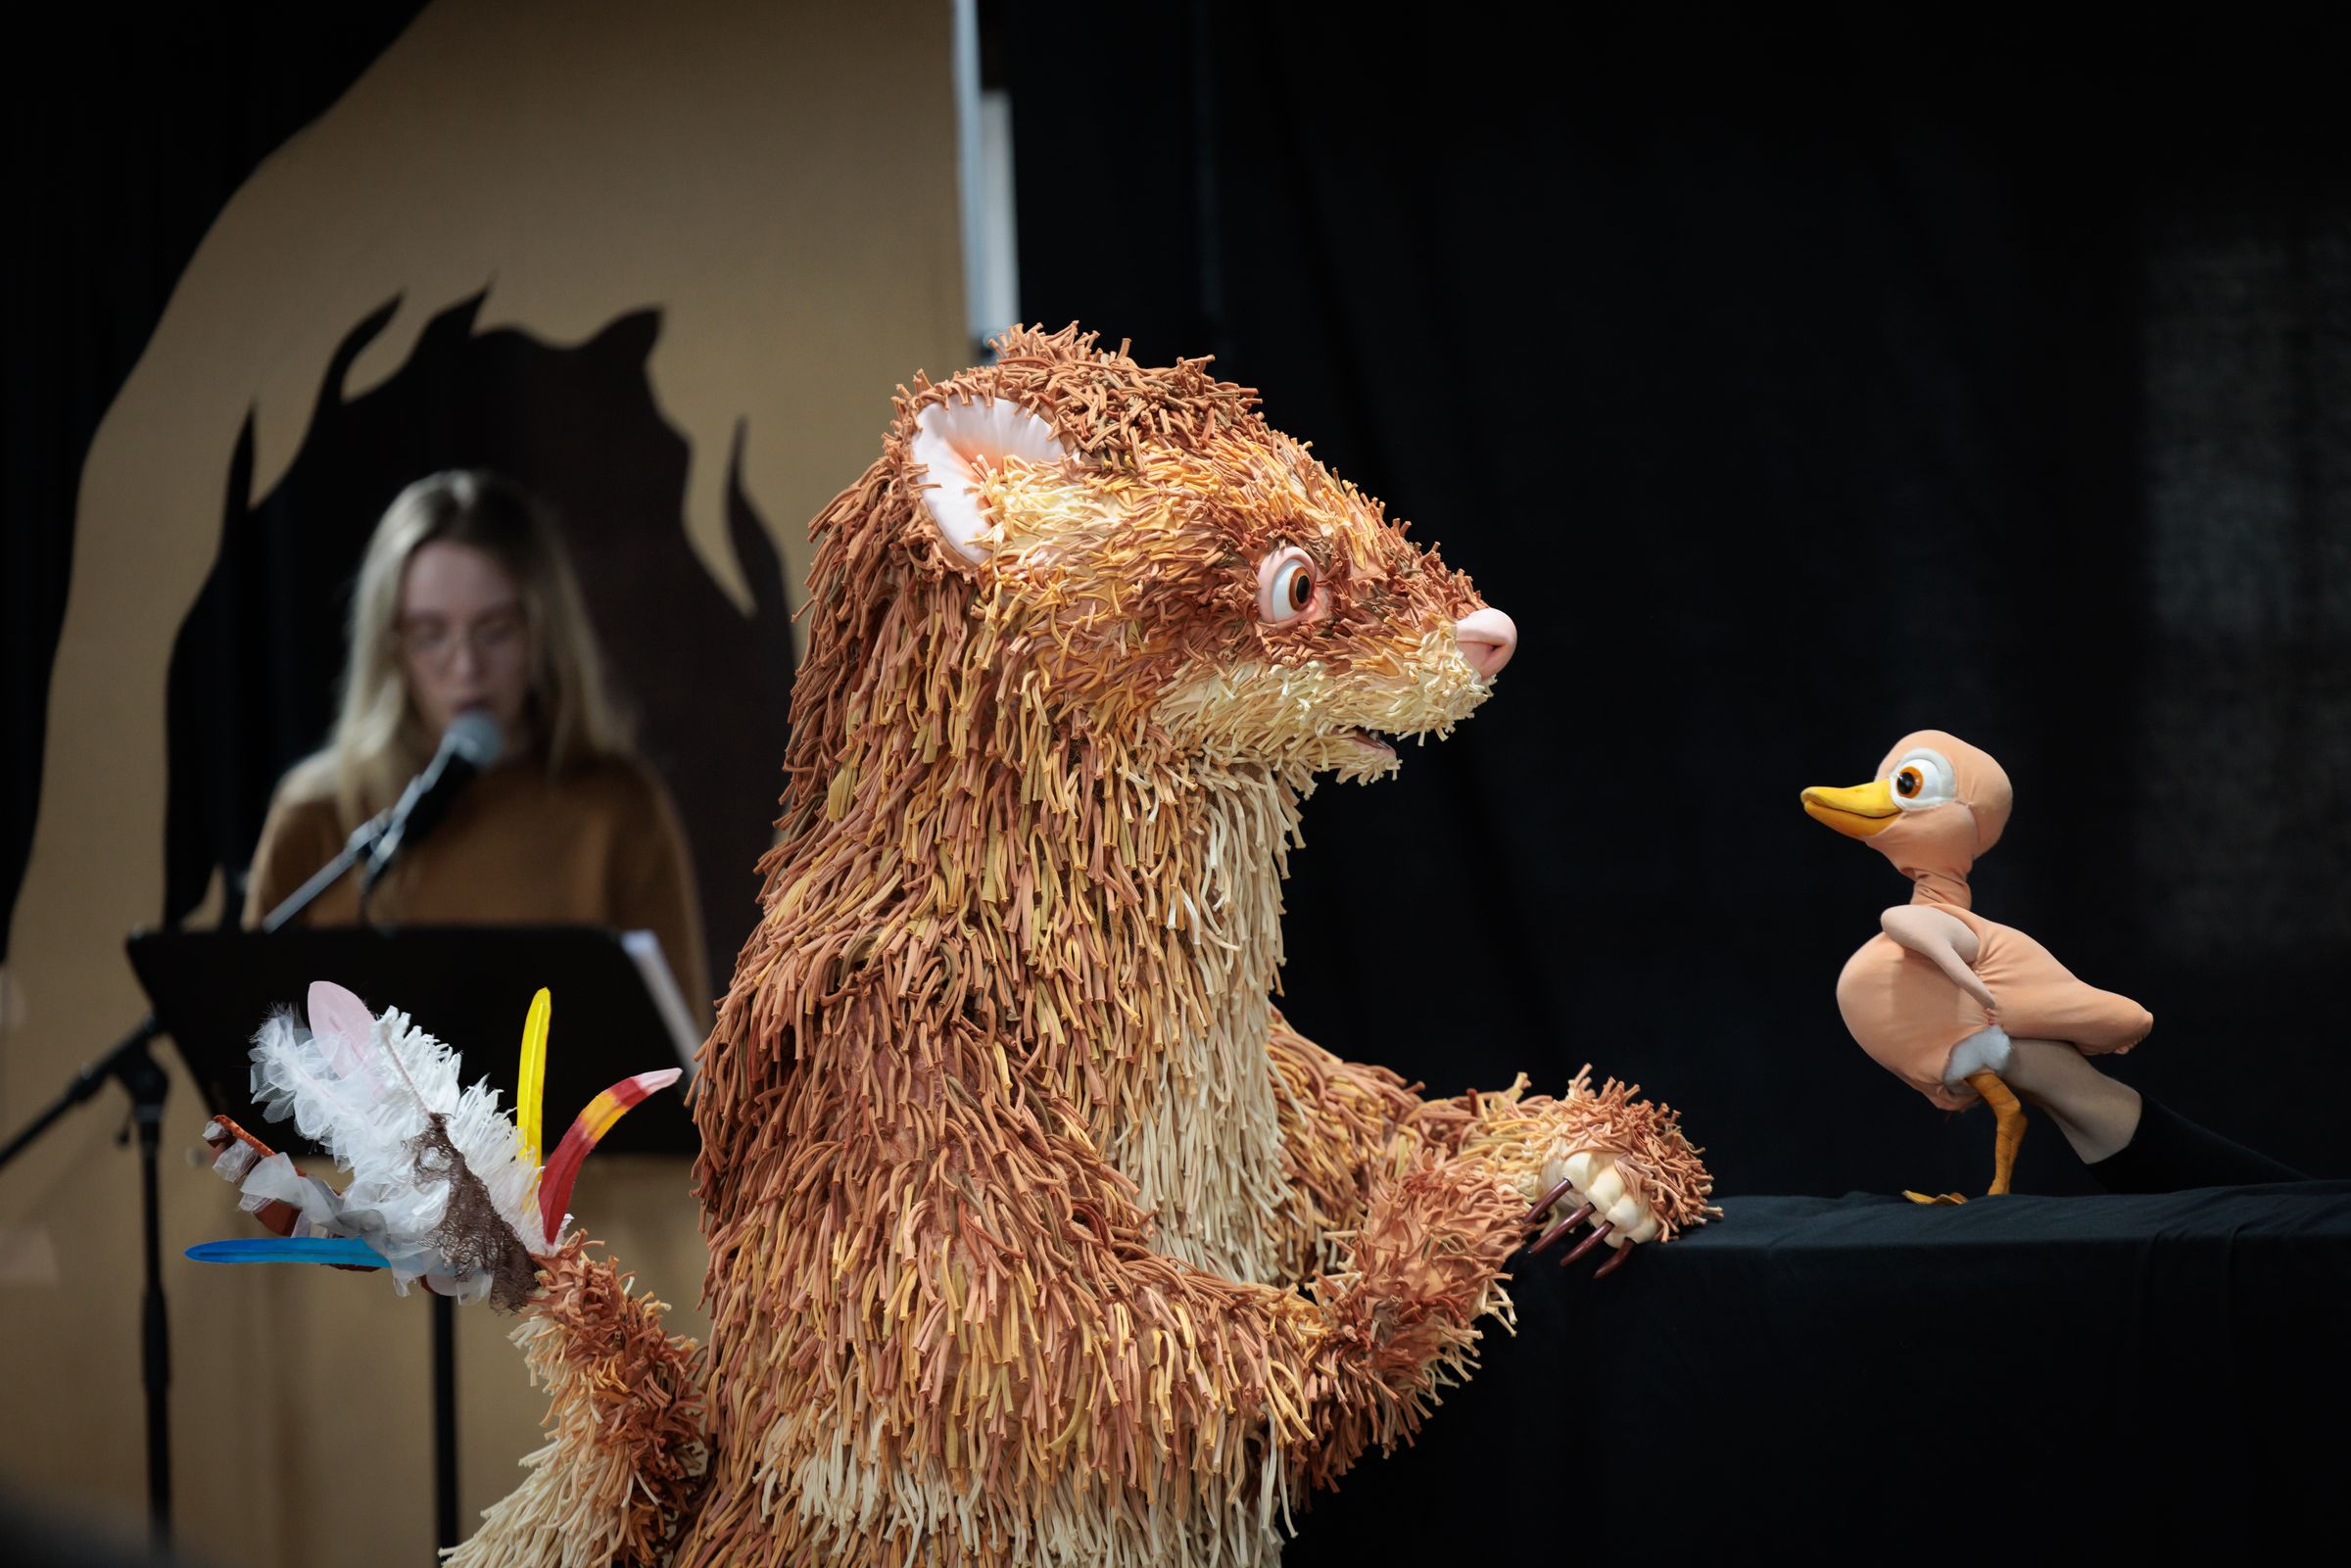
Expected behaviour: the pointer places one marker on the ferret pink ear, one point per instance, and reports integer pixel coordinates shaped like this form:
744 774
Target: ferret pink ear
954 441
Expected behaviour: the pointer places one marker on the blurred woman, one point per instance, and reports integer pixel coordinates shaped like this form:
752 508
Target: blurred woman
466 601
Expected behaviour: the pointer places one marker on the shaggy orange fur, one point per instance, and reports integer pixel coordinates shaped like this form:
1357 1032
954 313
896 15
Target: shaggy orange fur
1036 1234
626 1449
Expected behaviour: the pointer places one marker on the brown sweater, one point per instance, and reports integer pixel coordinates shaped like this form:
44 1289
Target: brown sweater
600 845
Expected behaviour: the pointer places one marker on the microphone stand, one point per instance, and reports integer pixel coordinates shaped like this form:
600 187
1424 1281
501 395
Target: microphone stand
144 1079
443 1309
361 847
129 1064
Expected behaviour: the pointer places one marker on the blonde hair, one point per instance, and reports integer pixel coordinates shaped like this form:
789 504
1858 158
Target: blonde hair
378 742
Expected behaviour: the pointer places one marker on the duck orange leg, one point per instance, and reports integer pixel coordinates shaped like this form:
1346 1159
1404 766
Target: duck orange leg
2006 1139
2010 1134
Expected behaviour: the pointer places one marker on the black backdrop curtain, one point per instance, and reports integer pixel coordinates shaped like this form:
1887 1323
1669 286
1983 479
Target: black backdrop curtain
1795 385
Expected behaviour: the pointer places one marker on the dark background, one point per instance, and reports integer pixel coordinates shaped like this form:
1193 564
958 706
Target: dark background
1794 384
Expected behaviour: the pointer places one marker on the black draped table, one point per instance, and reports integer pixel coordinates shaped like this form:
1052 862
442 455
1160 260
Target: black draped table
2150 1378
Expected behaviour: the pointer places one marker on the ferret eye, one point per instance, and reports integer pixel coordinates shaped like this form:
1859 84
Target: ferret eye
1921 779
1286 588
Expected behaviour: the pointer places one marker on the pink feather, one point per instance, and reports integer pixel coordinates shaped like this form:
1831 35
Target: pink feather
337 1015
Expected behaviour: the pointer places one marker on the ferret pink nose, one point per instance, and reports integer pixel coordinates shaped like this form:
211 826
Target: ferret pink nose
1487 637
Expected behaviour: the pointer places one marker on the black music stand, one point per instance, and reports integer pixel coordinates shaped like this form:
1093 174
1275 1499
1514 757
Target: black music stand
616 1011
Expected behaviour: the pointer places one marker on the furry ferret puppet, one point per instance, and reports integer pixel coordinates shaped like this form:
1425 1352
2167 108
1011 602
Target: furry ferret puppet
1036 1234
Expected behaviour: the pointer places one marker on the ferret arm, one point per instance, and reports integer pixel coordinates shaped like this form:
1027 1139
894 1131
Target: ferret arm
1339 1124
627 1438
1019 1297
1346 1125
1352 1132
1943 941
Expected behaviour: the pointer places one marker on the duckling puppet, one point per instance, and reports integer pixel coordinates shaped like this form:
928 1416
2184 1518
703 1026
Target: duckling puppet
1941 996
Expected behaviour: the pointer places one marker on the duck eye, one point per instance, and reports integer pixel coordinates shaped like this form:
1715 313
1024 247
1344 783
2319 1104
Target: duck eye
1921 780
1286 585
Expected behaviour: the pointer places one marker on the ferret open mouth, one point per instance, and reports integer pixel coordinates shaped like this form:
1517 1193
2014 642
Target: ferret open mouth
1385 745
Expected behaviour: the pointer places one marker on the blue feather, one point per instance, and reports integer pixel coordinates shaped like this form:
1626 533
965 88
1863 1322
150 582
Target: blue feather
288 1249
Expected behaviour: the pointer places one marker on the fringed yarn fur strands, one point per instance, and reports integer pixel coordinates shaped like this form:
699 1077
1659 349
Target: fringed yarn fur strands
1036 1235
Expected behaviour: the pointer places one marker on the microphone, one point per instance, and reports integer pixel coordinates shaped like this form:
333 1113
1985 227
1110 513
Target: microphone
471 745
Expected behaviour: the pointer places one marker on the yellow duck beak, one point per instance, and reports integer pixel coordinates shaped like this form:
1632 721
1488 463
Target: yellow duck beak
1856 813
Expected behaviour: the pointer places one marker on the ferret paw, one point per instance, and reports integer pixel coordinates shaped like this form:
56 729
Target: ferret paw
1590 1190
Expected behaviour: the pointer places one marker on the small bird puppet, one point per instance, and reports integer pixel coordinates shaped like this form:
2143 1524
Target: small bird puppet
1940 997
446 1186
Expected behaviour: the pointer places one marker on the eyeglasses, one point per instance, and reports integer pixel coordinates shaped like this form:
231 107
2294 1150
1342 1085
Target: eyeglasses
430 640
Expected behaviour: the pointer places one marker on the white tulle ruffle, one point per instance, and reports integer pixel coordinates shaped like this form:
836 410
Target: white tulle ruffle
351 1100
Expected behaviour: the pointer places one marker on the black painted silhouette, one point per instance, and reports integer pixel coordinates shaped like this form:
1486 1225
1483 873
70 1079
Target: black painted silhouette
254 668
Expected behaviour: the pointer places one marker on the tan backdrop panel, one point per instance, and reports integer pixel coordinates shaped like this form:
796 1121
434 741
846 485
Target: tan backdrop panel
777 180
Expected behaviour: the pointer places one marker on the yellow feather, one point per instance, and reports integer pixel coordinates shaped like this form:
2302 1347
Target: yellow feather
530 1083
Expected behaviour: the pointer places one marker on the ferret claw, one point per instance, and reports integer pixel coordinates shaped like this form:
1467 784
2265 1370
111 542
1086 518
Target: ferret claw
1543 1204
1615 1263
1561 1228
1599 1234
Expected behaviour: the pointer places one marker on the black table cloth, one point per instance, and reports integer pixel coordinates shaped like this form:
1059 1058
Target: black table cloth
2150 1377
